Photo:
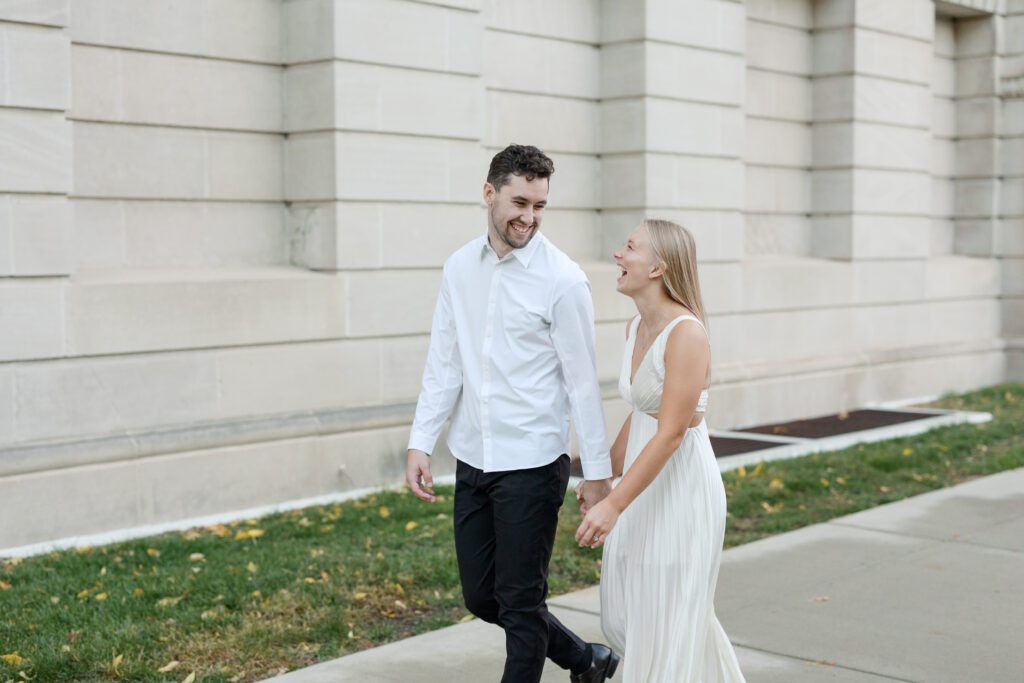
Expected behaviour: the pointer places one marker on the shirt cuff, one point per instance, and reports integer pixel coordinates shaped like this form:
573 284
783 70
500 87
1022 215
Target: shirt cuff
597 470
422 443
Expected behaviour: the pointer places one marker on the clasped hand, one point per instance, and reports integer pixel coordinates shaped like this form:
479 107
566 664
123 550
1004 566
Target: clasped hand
599 513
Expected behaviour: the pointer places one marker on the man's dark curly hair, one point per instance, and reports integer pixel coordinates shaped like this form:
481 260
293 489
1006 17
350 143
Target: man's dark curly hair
521 160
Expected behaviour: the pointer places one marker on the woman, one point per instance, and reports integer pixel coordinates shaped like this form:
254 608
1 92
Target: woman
663 525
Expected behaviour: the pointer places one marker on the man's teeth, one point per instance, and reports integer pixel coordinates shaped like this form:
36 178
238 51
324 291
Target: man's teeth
520 229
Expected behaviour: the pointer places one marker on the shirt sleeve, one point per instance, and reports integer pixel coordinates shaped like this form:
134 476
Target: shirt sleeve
572 333
442 377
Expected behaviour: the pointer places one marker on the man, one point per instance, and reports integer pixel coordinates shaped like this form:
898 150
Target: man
511 357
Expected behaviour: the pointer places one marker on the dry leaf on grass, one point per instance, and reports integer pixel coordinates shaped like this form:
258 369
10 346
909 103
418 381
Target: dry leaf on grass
169 666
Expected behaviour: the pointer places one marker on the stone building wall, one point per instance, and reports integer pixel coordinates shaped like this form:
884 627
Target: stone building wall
222 223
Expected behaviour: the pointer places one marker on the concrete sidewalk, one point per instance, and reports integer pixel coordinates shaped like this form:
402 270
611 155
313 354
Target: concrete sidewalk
926 589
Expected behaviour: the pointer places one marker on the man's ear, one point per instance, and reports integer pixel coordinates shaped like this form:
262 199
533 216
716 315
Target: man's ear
489 193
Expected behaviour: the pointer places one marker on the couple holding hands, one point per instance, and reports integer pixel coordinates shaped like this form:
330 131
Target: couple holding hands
511 359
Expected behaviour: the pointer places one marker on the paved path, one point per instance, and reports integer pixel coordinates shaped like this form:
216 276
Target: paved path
927 589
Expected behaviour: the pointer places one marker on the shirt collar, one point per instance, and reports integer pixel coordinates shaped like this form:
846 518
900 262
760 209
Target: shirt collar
523 255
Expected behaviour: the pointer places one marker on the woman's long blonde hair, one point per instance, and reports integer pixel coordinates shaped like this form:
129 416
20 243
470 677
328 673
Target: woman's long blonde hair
674 246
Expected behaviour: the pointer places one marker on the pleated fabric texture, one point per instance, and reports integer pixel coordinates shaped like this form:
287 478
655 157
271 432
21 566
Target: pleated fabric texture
661 560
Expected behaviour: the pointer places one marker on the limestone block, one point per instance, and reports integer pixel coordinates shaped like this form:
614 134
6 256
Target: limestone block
914 18
6 237
97 234
202 234
310 171
892 192
780 48
872 145
610 341
367 235
1013 117
943 198
577 232
1013 34
1009 236
795 14
944 123
793 283
540 65
609 305
555 124
943 76
572 20
1011 197
871 99
976 236
382 99
652 124
401 367
30 315
170 163
979 36
960 277
978 157
888 281
285 378
778 143
575 185
307 29
6 405
694 183
36 73
977 116
976 76
889 56
943 158
110 84
39 235
773 189
389 167
130 161
67 398
718 234
35 147
777 234
942 237
46 12
1011 156
416 35
944 41
1013 317
976 197
659 69
867 236
126 311
706 24
390 302
244 166
247 30
778 96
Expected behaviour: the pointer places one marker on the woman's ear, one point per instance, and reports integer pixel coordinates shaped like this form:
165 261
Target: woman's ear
657 270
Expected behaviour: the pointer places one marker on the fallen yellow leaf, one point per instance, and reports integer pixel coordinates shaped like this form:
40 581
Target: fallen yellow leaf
251 567
412 524
758 469
248 533
5 585
190 678
152 552
196 557
169 666
907 452
12 658
884 489
100 596
824 481
775 483
219 530
359 596
742 471
138 592
840 480
384 512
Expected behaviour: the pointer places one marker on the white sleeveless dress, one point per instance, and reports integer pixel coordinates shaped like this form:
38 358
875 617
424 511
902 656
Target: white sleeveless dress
661 560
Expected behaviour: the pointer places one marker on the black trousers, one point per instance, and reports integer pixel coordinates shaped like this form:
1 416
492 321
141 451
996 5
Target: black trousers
504 533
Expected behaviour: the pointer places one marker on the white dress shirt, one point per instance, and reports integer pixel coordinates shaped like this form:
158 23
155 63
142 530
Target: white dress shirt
512 353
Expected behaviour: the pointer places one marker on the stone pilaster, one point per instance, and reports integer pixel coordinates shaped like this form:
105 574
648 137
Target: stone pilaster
35 144
871 134
672 122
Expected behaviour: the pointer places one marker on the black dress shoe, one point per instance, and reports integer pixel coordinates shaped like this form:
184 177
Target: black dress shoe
602 666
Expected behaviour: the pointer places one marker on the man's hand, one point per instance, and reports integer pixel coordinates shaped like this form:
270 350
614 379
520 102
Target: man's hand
417 475
591 492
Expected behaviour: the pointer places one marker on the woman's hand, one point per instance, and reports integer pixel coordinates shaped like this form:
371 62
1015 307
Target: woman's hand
597 524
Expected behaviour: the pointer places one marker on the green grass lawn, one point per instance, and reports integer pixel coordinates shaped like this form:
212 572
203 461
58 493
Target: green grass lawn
248 600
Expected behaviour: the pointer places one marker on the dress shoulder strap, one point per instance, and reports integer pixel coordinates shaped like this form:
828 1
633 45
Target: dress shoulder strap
685 316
